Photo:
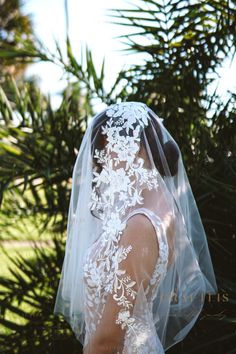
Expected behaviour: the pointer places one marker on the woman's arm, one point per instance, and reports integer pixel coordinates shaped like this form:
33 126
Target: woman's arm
102 348
140 242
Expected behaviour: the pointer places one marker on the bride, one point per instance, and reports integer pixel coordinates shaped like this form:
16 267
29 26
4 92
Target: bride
137 264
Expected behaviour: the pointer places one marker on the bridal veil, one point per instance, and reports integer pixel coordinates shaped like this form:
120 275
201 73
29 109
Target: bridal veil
114 274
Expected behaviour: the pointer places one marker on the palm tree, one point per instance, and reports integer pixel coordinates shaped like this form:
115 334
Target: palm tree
38 149
15 30
37 156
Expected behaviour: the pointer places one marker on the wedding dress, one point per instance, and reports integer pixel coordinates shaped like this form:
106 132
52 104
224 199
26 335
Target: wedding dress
137 264
141 335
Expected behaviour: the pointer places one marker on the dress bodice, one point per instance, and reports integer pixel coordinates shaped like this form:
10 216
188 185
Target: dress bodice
100 274
161 263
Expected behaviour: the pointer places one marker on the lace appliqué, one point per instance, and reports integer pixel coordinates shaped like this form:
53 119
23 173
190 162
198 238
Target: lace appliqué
121 186
101 273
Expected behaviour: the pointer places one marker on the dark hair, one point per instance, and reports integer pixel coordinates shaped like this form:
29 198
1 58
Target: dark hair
170 148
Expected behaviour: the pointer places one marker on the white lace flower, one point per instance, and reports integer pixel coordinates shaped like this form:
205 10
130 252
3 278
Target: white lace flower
118 180
113 224
101 177
122 196
124 319
126 148
114 111
129 114
123 316
134 113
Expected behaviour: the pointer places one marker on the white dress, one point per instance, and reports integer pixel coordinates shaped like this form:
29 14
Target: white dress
100 275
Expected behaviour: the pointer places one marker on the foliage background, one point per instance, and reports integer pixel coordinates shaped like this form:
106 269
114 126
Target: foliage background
186 42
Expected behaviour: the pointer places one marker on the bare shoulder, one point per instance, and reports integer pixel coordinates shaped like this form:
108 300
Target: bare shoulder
141 235
140 230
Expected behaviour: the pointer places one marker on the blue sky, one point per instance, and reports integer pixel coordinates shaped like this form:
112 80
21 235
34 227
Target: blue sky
88 25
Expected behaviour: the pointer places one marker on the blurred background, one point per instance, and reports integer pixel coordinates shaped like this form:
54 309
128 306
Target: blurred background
60 63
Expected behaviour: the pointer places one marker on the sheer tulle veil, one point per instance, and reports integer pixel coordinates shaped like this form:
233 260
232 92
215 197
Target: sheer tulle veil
128 159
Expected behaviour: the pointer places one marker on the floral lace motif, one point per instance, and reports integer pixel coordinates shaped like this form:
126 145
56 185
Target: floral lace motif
121 187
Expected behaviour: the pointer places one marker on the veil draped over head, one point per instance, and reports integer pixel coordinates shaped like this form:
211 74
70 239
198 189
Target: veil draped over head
137 264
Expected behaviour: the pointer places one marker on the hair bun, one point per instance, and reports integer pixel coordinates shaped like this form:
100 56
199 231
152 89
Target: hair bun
171 152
